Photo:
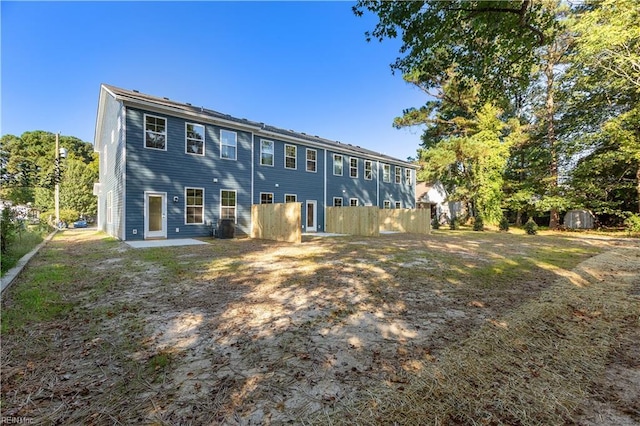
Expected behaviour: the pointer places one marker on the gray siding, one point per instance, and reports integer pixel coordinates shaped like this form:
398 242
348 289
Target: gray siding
112 163
173 170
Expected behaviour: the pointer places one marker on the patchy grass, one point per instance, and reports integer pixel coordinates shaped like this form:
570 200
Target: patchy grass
22 244
478 327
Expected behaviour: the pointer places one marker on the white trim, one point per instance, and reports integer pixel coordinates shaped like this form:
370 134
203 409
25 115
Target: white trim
295 156
370 169
408 179
351 200
266 193
334 202
186 205
306 160
334 165
378 183
351 167
163 232
235 207
144 131
314 227
295 196
384 165
109 208
386 204
186 139
398 205
397 175
123 141
324 183
253 169
235 147
273 152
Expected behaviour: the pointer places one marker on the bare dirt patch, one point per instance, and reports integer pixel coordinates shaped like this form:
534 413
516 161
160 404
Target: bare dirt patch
254 332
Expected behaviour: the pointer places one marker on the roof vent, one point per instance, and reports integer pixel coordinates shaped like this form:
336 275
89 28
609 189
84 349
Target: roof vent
136 91
188 104
164 97
304 133
317 136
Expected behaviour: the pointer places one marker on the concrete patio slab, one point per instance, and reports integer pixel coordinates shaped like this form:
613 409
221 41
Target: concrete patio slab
165 243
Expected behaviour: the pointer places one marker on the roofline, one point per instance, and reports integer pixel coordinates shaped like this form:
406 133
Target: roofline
254 127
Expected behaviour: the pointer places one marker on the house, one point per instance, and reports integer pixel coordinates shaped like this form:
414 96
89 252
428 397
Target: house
174 170
435 197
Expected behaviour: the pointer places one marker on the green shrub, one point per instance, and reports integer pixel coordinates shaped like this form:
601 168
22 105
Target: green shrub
531 227
478 224
8 228
66 215
454 223
504 224
632 223
435 223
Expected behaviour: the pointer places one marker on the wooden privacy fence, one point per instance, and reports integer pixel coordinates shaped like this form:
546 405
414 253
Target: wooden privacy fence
279 222
370 221
414 221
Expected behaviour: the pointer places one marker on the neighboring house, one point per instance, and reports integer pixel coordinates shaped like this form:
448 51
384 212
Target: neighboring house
434 196
170 170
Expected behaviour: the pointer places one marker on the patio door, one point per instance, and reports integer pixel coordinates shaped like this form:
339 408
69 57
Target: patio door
312 211
155 215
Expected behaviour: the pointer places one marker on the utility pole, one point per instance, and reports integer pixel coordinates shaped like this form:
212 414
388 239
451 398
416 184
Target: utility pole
57 178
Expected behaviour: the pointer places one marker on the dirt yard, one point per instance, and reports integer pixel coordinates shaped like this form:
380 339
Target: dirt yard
256 332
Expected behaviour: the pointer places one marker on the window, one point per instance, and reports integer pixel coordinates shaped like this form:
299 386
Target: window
194 205
353 202
290 198
266 198
155 132
337 201
337 164
266 152
387 204
194 135
353 167
386 173
311 160
407 176
228 144
398 205
398 174
290 152
110 207
368 169
228 204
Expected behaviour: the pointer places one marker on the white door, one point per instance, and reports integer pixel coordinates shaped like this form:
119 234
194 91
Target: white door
155 215
311 216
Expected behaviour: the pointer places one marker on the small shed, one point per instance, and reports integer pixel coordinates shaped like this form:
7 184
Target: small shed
579 219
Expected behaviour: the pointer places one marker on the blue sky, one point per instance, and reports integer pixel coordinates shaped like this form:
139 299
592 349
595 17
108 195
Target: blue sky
304 66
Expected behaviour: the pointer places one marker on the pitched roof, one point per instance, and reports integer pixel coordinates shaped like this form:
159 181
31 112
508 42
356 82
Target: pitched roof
134 96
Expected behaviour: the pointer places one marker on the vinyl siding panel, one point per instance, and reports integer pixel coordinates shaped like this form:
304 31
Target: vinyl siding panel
347 187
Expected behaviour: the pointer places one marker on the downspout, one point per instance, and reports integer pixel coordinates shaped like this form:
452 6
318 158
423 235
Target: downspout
324 206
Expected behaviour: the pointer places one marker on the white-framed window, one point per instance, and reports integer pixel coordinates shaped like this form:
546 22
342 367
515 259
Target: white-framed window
398 205
353 167
110 207
398 174
266 152
312 160
228 144
407 176
337 164
290 198
266 198
386 173
353 202
155 132
194 206
337 201
194 138
290 156
368 169
386 204
228 204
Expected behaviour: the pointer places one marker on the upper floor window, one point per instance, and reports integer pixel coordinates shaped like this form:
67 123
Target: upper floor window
266 152
353 202
407 176
353 167
398 174
311 160
337 201
290 153
228 144
368 169
194 205
194 136
155 132
266 198
228 204
290 198
386 173
337 164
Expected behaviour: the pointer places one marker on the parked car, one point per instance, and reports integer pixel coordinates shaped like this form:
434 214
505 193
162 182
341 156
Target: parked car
80 223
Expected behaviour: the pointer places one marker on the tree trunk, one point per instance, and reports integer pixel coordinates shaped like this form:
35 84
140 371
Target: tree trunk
638 185
519 218
554 220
